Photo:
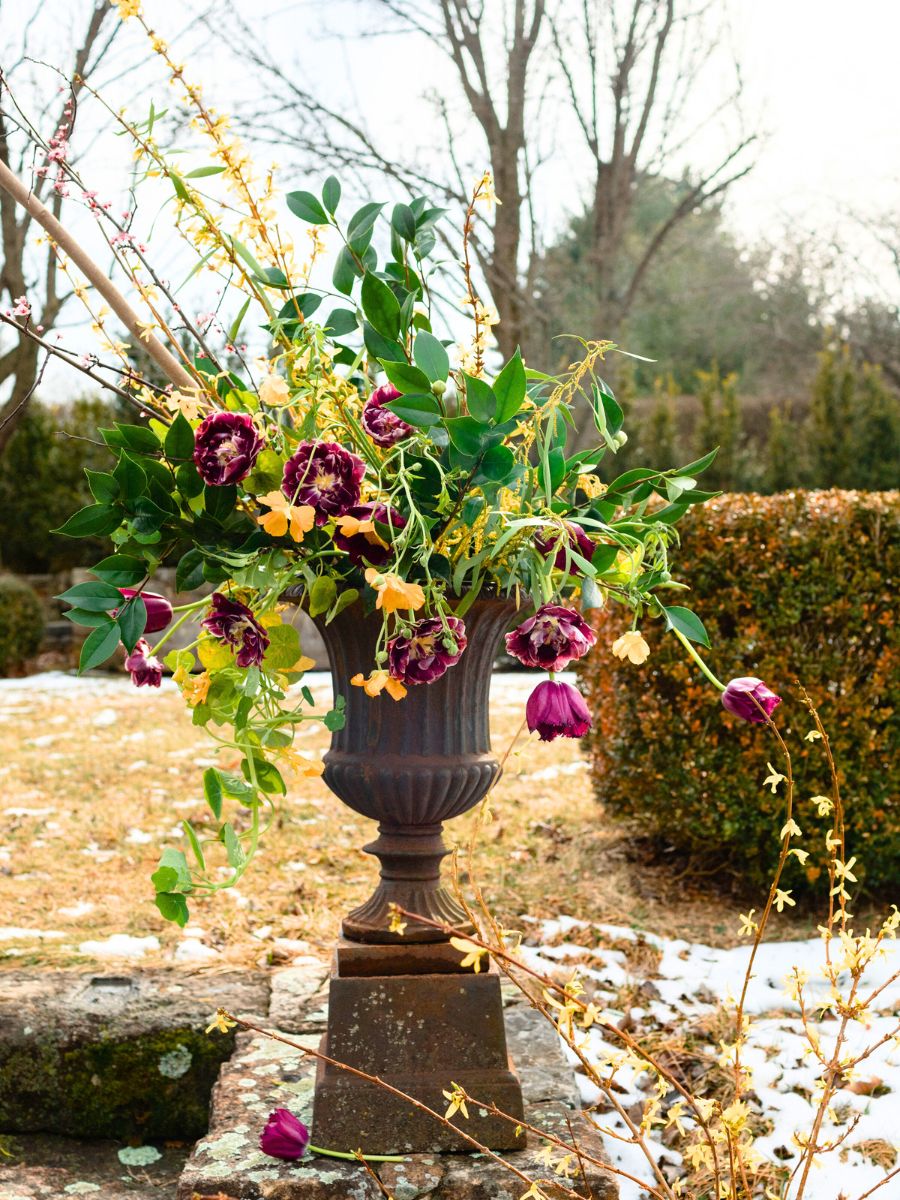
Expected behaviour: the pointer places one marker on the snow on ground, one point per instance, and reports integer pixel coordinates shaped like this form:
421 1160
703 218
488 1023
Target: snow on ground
689 983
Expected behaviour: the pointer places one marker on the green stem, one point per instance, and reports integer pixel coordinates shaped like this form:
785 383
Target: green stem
354 1157
172 628
713 679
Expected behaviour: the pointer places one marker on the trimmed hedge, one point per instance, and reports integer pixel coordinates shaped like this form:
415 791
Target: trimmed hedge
799 586
21 622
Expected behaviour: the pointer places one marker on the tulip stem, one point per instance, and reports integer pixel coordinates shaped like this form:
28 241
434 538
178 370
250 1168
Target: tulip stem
714 680
354 1157
172 628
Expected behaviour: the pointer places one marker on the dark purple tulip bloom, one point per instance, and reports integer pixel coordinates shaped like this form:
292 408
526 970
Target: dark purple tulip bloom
551 639
159 610
284 1136
235 624
324 475
226 445
744 697
367 545
383 426
578 541
144 668
556 709
428 651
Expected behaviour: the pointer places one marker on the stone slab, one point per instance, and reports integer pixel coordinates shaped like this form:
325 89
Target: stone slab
48 1167
264 1074
115 1055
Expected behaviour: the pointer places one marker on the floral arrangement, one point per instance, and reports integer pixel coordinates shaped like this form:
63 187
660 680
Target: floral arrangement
362 455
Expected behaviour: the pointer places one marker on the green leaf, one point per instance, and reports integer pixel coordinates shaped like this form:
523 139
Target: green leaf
238 320
361 223
630 479
480 399
305 206
104 487
173 907
341 321
195 844
132 620
83 616
234 851
212 790
284 648
304 304
497 463
188 481
466 434
96 520
268 776
322 595
120 570
344 600
615 418
94 595
345 271
98 647
219 502
421 411
700 465
204 172
557 461
688 624
138 438
592 596
380 305
130 477
331 193
604 557
404 222
189 572
678 484
509 388
431 357
380 347
405 378
179 443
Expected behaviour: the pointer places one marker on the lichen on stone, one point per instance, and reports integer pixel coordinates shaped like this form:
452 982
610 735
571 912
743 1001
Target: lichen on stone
176 1063
139 1156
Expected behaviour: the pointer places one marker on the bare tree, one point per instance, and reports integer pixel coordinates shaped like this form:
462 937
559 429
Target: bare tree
23 273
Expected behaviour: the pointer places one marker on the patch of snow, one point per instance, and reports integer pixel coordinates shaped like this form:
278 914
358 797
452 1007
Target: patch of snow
106 716
28 812
120 945
571 768
10 933
81 909
137 837
193 950
45 739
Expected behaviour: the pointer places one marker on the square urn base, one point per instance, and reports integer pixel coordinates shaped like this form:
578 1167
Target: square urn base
412 1017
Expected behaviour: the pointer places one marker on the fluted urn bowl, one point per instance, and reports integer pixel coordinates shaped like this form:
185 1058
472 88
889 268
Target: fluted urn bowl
412 764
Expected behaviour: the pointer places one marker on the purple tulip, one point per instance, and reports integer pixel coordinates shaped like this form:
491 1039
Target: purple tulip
556 709
578 541
144 668
226 445
368 545
325 476
159 610
384 427
284 1136
745 697
551 639
234 623
429 650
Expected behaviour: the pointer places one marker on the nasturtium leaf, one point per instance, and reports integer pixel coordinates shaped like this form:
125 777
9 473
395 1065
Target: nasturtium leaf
234 851
164 878
173 907
96 520
284 648
406 378
480 399
305 206
431 357
179 443
322 595
334 720
214 654
331 193
268 777
98 647
686 623
94 595
380 305
509 388
132 621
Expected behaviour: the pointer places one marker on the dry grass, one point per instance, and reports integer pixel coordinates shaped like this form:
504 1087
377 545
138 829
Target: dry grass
95 780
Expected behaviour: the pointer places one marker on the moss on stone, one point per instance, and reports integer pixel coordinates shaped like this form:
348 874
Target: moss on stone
112 1088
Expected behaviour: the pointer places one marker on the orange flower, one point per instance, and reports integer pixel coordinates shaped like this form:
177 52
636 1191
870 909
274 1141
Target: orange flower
350 526
298 518
394 592
378 682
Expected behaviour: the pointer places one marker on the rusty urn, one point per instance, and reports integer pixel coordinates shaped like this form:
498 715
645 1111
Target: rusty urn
401 1007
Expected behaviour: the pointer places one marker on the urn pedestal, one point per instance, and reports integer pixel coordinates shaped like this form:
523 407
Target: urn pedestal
401 1007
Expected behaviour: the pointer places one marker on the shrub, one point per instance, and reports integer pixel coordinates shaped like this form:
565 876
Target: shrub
799 586
21 622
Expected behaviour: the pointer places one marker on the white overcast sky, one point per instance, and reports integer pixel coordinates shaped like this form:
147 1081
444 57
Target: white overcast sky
821 82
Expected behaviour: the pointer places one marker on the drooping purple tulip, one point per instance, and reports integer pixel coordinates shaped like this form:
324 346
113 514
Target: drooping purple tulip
144 668
367 545
745 696
234 623
429 650
578 541
284 1136
325 476
556 709
551 639
226 445
384 427
159 610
